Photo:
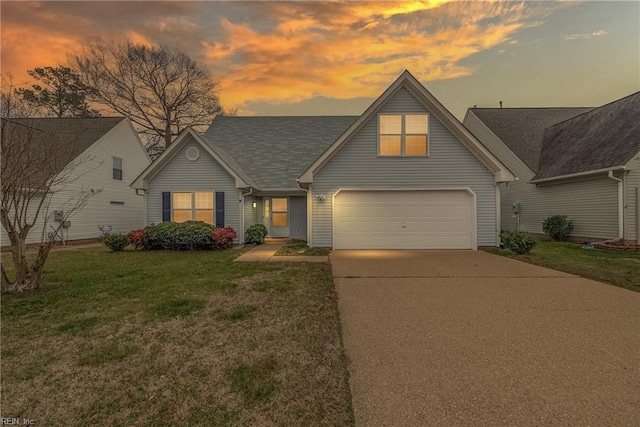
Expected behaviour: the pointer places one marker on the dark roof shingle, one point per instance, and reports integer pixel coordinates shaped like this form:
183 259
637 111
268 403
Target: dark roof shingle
52 143
275 150
604 137
522 129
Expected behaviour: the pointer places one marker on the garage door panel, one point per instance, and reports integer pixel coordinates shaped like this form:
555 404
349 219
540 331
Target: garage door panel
403 220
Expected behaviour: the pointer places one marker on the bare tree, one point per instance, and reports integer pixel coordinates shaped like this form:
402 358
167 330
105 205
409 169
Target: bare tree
33 167
161 89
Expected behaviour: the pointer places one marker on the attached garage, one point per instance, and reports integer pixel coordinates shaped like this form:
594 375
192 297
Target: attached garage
404 219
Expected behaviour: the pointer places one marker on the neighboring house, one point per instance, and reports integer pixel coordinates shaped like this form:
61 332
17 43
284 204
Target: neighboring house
102 155
404 174
579 162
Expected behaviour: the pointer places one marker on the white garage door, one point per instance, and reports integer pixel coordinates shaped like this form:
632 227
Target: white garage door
425 219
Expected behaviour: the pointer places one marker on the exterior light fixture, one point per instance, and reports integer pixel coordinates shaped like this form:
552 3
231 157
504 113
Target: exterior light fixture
254 204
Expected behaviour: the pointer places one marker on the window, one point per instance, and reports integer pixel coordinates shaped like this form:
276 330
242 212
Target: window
192 206
280 215
117 169
403 135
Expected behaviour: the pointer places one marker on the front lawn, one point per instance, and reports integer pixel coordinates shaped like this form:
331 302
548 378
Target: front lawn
617 268
174 338
299 247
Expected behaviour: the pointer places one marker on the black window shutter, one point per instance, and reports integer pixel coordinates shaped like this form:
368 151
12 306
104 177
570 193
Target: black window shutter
219 208
166 206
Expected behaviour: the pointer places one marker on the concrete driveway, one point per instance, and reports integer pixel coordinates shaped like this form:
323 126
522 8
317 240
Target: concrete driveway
471 338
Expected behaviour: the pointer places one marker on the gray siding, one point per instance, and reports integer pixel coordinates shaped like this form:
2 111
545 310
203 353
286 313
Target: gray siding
633 206
205 174
249 211
298 217
591 204
450 164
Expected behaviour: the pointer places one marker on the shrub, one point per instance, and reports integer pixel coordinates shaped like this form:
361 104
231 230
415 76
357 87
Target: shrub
519 242
136 238
189 235
223 237
116 242
194 235
256 234
160 236
557 227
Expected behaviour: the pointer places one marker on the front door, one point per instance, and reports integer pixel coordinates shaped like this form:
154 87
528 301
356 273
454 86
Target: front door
279 216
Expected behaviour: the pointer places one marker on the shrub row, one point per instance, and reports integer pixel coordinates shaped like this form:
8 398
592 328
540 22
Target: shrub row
189 235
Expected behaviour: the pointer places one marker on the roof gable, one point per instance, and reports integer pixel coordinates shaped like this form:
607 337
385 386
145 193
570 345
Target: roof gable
605 137
275 150
224 159
57 141
522 129
408 81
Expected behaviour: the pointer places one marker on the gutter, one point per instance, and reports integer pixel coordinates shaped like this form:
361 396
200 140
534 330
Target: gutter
577 174
620 205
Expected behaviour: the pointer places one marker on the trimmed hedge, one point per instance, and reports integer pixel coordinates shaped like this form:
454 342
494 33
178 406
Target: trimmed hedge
256 234
189 235
519 242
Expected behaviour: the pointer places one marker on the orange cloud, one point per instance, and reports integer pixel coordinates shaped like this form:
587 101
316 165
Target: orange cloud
346 50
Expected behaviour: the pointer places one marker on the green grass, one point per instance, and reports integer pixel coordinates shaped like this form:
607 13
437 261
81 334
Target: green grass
157 338
256 382
617 268
296 247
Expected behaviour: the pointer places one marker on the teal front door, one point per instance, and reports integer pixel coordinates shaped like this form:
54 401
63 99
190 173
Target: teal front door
279 216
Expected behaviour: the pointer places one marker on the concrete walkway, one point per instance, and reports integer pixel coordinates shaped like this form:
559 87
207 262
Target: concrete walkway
266 253
471 338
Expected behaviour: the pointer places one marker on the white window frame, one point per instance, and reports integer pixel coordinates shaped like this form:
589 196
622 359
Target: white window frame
403 135
193 208
113 168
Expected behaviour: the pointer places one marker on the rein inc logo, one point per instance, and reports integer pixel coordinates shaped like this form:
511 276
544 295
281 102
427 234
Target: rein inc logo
5 421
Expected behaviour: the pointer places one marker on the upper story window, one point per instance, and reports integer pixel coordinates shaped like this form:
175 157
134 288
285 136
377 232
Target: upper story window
403 135
117 169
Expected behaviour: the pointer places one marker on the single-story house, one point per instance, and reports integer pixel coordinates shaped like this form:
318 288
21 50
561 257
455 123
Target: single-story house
579 162
404 174
101 155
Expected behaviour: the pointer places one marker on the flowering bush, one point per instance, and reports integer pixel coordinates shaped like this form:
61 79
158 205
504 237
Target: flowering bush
223 237
136 238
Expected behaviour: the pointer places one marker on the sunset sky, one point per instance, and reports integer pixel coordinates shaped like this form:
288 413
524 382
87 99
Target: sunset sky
294 58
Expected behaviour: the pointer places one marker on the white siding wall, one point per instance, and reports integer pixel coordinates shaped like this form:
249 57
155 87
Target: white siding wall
249 211
450 164
591 204
205 174
95 171
633 206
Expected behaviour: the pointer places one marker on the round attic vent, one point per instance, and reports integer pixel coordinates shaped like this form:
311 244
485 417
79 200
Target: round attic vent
193 154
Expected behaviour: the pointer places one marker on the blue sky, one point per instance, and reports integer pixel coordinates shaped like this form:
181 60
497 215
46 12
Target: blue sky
293 58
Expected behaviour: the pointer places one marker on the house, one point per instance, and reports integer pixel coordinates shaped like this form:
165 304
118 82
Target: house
579 162
101 155
404 174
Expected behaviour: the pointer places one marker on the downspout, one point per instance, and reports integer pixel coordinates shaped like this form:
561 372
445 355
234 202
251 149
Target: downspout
309 209
498 216
241 234
620 205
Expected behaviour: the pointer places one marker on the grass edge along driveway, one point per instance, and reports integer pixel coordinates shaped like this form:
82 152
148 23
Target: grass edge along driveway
620 269
163 337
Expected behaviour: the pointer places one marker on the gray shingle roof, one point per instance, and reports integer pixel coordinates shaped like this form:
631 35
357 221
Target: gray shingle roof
604 137
522 129
275 151
54 142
